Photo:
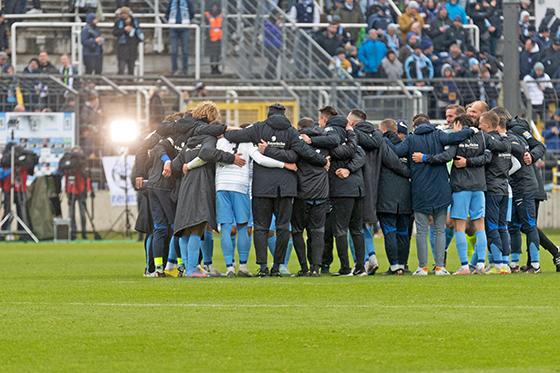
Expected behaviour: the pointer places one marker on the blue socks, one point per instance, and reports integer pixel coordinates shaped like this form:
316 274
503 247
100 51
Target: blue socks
243 243
461 242
368 241
183 244
227 244
272 244
193 250
480 246
172 256
148 248
207 248
533 245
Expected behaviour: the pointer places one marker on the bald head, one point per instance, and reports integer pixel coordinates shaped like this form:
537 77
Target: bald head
476 109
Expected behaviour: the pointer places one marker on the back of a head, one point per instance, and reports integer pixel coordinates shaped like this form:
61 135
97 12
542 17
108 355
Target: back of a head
328 111
388 124
206 111
305 123
503 114
276 109
358 114
464 120
492 119
419 119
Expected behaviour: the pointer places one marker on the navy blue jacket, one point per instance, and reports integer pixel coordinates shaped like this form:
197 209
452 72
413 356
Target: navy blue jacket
430 186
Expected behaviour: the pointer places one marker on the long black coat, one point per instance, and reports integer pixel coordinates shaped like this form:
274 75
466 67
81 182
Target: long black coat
370 140
394 181
197 192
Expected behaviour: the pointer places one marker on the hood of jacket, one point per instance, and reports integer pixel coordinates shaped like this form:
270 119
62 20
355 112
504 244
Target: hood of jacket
312 131
337 121
366 127
424 129
278 122
518 122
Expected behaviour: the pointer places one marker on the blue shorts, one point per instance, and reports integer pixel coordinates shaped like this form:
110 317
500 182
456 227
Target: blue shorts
232 207
467 204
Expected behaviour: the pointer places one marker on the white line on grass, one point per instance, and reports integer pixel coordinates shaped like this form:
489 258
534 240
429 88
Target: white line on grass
260 305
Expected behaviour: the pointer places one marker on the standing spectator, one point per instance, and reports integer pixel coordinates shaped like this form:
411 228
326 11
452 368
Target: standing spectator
19 6
438 28
456 34
215 20
32 67
357 65
379 19
430 10
490 88
4 46
481 12
45 66
524 26
86 6
340 64
543 38
551 134
447 92
128 34
392 67
392 38
457 60
350 12
304 11
527 58
418 66
371 53
179 12
537 83
92 43
410 16
329 39
551 21
494 26
551 58
408 48
428 50
67 70
454 10
272 42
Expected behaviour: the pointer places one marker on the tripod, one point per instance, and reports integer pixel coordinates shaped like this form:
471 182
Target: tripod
13 215
126 213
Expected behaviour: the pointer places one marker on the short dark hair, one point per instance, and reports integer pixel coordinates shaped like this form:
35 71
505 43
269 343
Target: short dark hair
503 114
359 114
328 111
305 123
419 119
464 120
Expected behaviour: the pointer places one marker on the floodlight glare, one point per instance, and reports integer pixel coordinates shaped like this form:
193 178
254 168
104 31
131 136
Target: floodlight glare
123 131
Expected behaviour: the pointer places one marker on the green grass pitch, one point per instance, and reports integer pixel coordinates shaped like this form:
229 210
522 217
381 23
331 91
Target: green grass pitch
84 307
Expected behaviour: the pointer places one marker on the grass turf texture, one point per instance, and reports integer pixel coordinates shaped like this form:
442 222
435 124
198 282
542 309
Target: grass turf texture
85 306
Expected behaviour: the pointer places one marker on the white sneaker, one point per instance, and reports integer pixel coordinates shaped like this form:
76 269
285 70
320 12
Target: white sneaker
421 272
372 265
34 11
284 271
441 271
211 271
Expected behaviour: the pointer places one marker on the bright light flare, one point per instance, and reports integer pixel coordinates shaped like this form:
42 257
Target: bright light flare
124 131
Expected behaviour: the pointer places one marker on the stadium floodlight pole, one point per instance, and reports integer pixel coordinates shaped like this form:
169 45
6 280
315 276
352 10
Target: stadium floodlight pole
511 87
12 216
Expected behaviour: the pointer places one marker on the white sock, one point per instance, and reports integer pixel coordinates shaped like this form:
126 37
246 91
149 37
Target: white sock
536 265
169 266
394 267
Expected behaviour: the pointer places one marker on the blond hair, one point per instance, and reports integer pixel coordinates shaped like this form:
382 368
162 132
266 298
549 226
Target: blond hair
207 111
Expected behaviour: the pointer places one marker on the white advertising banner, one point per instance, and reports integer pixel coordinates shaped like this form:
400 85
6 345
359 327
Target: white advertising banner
117 173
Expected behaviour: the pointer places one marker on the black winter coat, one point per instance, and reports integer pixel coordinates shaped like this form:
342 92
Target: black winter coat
353 158
313 181
284 145
497 171
394 181
197 192
370 140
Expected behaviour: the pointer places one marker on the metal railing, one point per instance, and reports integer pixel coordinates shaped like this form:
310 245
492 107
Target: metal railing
76 27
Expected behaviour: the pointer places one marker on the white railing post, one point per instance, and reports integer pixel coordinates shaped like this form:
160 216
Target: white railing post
197 53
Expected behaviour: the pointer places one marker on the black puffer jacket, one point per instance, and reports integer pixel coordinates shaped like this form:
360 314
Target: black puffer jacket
313 181
351 157
394 181
284 145
522 129
370 139
524 181
497 171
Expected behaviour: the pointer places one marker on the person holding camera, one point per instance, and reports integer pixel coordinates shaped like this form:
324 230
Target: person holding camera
73 166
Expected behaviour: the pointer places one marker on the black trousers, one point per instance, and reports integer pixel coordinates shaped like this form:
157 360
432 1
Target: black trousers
397 241
329 240
93 64
263 209
163 216
80 199
311 216
348 216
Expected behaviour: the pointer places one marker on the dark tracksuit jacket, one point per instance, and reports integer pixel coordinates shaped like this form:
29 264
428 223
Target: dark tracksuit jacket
497 170
430 183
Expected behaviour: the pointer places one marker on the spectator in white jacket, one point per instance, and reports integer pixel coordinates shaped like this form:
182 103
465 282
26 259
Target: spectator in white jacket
537 82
